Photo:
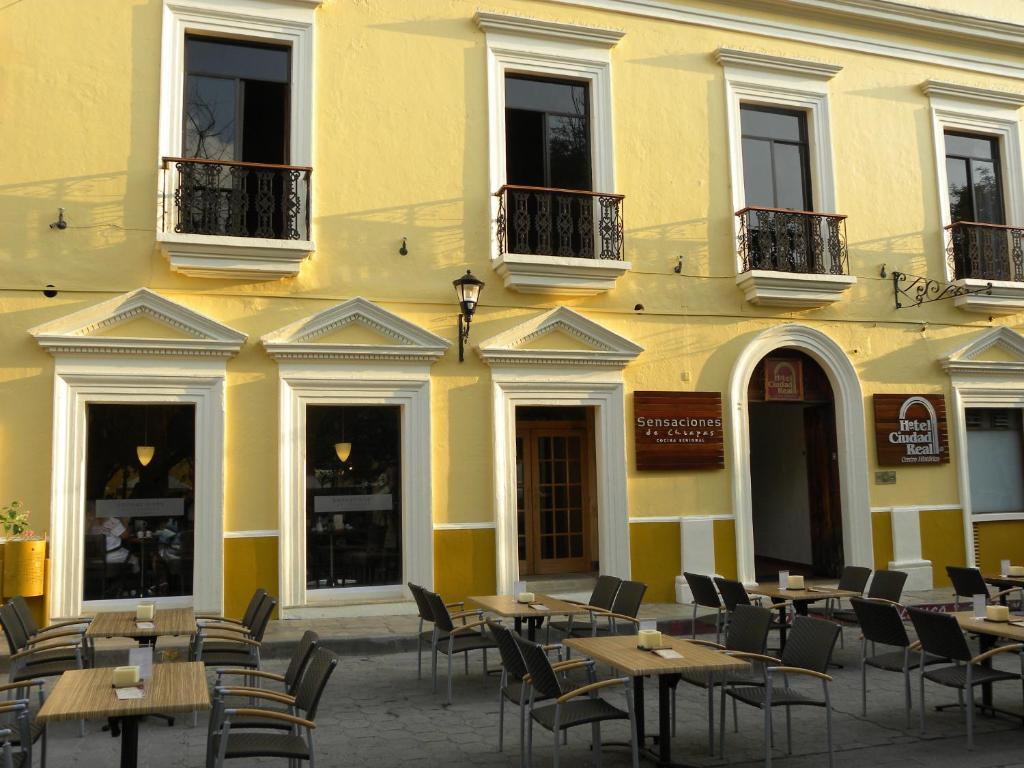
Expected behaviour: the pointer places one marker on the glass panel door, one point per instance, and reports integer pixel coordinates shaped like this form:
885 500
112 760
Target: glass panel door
559 501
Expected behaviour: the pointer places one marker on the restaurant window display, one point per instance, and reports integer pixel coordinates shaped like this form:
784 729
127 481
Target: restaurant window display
353 496
140 493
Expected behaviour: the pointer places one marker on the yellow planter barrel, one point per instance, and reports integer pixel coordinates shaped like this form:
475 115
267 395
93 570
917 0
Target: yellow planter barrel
24 568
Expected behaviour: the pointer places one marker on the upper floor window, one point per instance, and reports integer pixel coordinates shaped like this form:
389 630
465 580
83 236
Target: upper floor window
776 164
974 178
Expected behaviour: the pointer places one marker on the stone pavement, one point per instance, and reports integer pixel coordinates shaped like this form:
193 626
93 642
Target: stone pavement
376 713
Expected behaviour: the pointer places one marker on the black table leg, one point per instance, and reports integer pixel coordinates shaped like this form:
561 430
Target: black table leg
638 709
519 625
986 643
665 719
129 742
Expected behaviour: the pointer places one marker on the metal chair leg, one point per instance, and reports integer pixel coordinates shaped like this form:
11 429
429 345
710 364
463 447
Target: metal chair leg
789 732
768 725
595 742
693 624
634 746
970 709
828 721
711 716
419 652
920 704
501 715
864 679
555 732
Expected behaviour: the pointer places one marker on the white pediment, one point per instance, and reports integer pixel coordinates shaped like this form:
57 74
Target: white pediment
559 337
139 323
1000 350
356 329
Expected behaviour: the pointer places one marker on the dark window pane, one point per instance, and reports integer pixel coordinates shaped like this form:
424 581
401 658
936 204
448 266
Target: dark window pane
547 547
787 125
988 204
569 150
556 96
966 145
237 59
789 177
210 112
264 122
757 173
577 546
562 547
961 208
524 141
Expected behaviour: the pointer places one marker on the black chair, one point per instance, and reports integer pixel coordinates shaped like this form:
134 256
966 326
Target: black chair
734 594
572 706
427 616
706 596
941 636
605 590
887 585
621 619
450 639
220 645
747 632
25 730
881 623
31 659
226 741
968 582
247 620
807 653
854 578
515 686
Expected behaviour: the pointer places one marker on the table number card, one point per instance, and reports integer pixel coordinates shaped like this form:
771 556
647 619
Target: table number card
1004 567
668 653
979 602
143 659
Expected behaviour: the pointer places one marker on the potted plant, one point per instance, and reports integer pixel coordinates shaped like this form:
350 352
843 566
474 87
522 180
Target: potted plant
24 554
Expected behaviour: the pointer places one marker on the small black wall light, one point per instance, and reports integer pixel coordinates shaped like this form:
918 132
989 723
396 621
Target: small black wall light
467 288
50 291
404 250
61 222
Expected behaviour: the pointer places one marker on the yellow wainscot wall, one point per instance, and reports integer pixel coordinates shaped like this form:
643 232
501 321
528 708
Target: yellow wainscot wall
998 540
464 562
250 562
942 541
655 558
881 538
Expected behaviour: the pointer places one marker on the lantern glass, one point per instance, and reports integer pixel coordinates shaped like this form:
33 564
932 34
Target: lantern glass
343 450
145 454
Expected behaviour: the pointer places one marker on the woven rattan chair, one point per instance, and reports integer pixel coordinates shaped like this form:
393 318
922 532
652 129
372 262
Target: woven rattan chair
621 619
219 646
705 596
18 716
735 594
425 636
605 590
807 653
245 622
48 657
882 624
747 632
227 741
968 582
51 631
450 638
571 706
940 635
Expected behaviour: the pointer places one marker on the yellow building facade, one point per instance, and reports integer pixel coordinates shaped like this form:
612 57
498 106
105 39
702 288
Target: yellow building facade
230 232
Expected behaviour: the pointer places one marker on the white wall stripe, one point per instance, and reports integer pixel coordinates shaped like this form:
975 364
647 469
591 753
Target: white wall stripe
254 534
921 507
463 526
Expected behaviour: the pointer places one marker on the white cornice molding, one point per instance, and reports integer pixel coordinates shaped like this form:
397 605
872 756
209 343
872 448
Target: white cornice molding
971 93
964 360
72 333
490 21
764 62
608 349
956 28
410 342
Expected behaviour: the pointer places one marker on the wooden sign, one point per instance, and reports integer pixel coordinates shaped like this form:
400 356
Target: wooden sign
911 429
678 430
783 379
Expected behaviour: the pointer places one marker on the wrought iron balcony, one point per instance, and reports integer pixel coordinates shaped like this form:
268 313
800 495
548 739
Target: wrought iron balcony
234 199
559 222
782 240
985 251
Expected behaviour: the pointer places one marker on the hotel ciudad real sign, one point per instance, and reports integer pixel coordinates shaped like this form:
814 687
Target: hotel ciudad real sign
911 429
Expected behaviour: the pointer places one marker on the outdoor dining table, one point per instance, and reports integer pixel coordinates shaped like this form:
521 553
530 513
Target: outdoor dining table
509 607
801 598
167 622
622 653
1000 581
988 632
88 694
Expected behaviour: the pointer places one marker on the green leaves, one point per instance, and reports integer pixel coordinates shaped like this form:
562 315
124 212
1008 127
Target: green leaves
14 519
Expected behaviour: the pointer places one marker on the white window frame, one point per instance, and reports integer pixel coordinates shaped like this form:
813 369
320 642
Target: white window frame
288 22
518 45
989 113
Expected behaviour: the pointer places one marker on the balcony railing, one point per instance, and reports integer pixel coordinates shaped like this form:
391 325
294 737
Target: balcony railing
228 198
782 240
559 222
985 251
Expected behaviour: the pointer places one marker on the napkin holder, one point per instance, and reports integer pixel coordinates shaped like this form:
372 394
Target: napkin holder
525 597
997 613
649 639
145 612
126 677
795 582
1015 570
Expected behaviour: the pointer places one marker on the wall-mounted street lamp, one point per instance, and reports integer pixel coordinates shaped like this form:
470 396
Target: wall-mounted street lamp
467 288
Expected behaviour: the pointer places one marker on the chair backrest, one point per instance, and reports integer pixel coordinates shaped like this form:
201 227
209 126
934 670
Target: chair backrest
542 676
967 582
300 658
438 611
880 622
810 643
262 618
422 606
888 585
940 634
28 621
13 631
733 593
703 589
254 605
627 600
314 679
604 592
748 629
511 656
854 578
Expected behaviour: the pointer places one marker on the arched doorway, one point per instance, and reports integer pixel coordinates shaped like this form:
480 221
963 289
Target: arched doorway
851 440
794 467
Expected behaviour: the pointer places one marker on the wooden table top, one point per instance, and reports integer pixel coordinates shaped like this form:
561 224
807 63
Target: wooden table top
621 653
808 595
88 694
168 621
507 605
1006 630
1004 581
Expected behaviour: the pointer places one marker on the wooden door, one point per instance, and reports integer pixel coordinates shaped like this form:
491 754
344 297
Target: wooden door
823 489
553 499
